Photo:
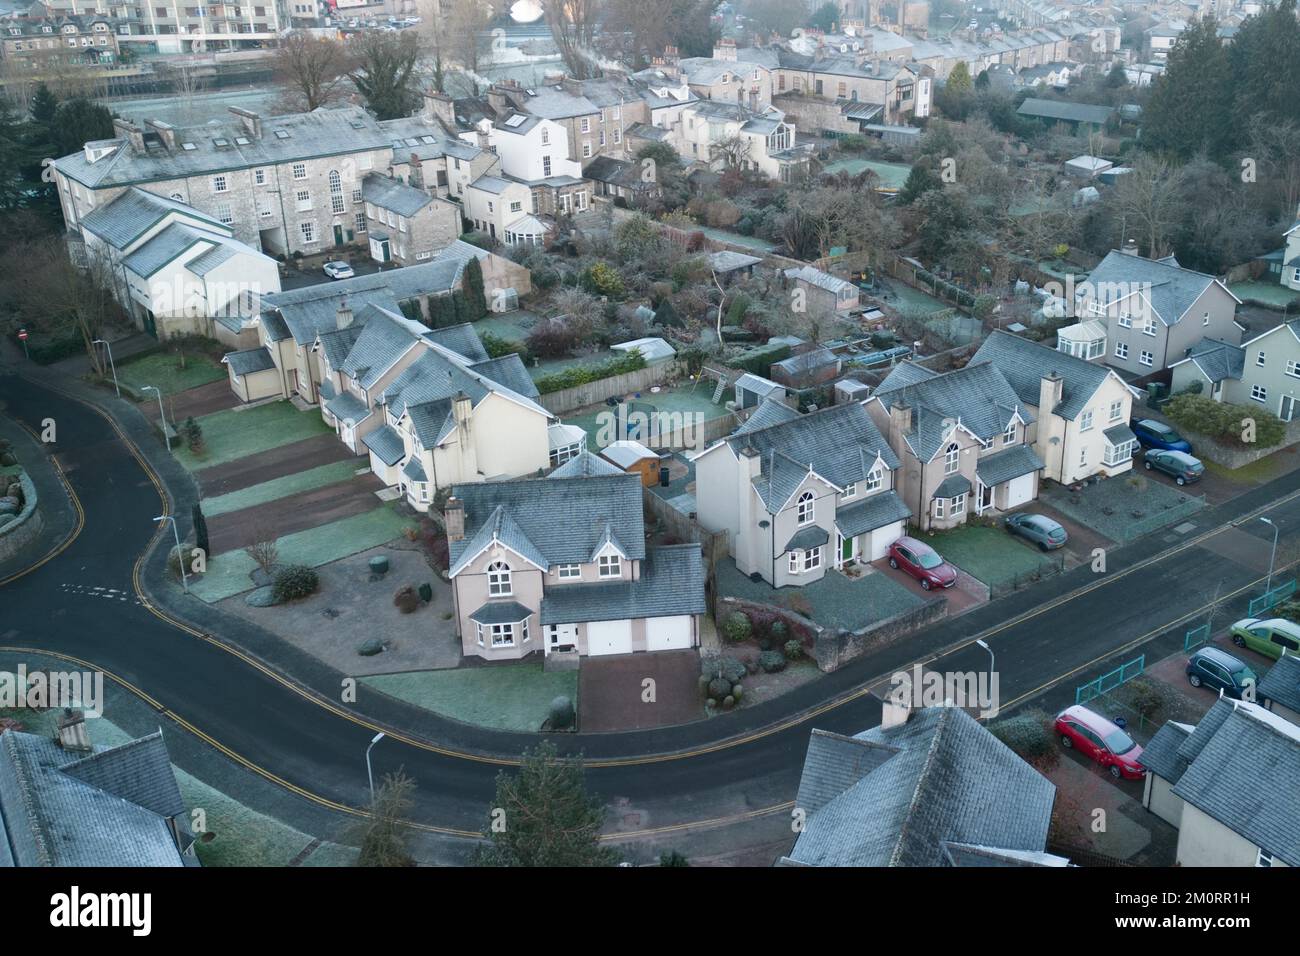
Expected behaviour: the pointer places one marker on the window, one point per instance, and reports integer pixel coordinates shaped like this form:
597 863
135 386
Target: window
950 459
303 198
610 566
1259 358
812 559
618 135
1116 410
1205 319
806 509
1258 393
299 170
517 206
850 489
356 195
875 479
1085 421
337 205
586 148
586 125
259 177
986 443
939 504
308 231
796 562
1117 454
570 572
1125 320
499 579
546 136
224 214
503 635
1121 350
1009 436
1149 328
1264 858
1146 358
220 184
958 506
361 222
546 166
1293 368
1083 456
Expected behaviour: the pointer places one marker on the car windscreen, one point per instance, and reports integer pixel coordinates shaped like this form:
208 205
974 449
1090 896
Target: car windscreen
928 560
1118 742
1168 434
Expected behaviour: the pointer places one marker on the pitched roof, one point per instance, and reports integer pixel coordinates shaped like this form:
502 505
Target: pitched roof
875 511
1060 110
393 194
585 465
385 337
551 521
1005 465
1024 364
671 584
895 797
1170 289
1282 683
134 212
822 280
1216 359
386 443
248 361
769 412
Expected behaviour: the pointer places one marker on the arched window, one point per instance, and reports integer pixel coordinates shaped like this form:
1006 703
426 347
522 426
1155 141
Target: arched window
178 197
498 579
336 192
950 459
806 508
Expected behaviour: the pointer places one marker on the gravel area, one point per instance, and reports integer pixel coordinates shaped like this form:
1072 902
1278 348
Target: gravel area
835 601
1123 508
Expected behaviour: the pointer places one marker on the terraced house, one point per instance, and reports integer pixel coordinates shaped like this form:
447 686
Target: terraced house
560 565
798 494
962 437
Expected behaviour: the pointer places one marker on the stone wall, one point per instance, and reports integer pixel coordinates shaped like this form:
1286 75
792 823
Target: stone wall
1235 456
15 535
834 648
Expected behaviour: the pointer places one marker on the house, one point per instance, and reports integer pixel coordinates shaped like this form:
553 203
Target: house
1079 116
174 269
860 88
38 42
1279 691
1080 411
593 115
1291 257
1231 785
406 224
173 26
634 458
934 790
797 494
1216 369
1161 37
534 151
65 802
1154 310
560 565
502 208
625 182
822 292
727 80
726 135
962 438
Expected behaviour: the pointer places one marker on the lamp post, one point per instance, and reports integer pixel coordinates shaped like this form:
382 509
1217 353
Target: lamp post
109 348
162 416
177 535
370 773
1272 557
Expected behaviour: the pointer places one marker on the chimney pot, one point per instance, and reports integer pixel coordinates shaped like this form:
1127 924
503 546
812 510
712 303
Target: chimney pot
454 519
72 733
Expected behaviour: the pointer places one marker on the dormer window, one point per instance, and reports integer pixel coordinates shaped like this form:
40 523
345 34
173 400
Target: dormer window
610 565
1009 436
806 509
499 580
875 479
951 459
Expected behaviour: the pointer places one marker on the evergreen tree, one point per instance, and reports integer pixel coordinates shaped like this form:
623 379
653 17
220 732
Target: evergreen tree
959 80
76 122
475 294
1190 106
200 528
385 74
44 103
919 182
1261 83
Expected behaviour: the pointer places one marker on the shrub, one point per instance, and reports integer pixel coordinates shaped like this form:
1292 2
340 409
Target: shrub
263 549
193 433
295 581
771 661
793 650
778 631
603 279
719 688
737 627
1030 736
406 600
560 715
496 346
577 375
728 702
1224 421
426 592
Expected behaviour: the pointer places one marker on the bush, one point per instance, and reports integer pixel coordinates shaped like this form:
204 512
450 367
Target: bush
759 360
771 661
193 433
577 375
560 716
496 346
1030 736
719 688
295 581
737 627
1225 421
793 650
603 279
406 600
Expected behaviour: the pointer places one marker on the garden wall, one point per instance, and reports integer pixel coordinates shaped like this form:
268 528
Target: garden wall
686 529
580 396
17 534
1235 456
834 648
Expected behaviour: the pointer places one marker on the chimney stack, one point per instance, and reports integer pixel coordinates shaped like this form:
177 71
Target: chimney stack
130 132
166 132
1130 247
900 423
343 318
454 519
897 705
1049 393
252 122
461 409
440 106
72 733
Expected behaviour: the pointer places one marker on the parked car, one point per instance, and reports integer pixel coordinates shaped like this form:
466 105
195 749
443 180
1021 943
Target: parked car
338 269
1040 529
1272 638
1154 434
922 562
1219 670
1179 465
1094 736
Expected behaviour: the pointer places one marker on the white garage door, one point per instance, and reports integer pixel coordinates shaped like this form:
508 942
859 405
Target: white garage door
609 637
668 633
1020 490
882 538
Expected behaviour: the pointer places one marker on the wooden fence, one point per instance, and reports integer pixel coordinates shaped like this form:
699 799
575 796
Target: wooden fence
686 529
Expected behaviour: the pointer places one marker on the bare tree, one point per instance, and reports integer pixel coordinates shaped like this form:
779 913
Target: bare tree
383 835
312 67
640 28
733 151
264 548
63 297
1149 200
1278 146
436 41
573 27
466 21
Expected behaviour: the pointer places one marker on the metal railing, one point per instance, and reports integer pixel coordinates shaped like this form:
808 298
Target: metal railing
1110 680
1271 598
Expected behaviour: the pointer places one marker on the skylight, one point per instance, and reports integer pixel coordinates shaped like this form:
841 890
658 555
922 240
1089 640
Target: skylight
188 146
515 120
281 134
242 140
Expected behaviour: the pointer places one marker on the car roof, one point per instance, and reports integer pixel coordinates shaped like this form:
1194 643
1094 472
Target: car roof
1182 456
1090 719
1220 657
1152 425
1280 624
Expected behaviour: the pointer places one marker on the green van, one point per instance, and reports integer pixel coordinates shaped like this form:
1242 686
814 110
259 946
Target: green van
1272 638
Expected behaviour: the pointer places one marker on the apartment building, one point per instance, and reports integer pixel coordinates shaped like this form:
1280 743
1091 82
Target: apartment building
89 39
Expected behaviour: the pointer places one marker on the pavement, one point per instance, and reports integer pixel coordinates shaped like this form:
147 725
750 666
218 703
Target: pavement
225 680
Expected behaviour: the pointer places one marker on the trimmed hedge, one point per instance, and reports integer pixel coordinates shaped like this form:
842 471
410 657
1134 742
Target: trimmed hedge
759 361
577 375
1223 421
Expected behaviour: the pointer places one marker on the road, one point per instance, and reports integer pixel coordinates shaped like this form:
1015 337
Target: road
288 735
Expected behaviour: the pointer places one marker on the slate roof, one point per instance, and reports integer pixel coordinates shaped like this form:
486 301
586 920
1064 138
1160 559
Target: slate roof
462 339
134 212
728 261
1246 775
348 408
874 512
1070 112
769 412
174 241
109 808
1119 434
1170 289
607 169
1161 757
501 612
492 184
552 521
978 396
1024 364
813 536
248 361
415 471
822 280
671 583
393 194
840 443
509 371
585 465
952 486
555 103
1004 465
384 339
1282 683
895 797
1216 359
386 443
337 343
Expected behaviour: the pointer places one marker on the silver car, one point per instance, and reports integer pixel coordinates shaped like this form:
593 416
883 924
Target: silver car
1040 529
338 269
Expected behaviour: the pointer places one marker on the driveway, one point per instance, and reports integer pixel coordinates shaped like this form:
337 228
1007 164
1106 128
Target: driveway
611 691
962 596
311 509
273 463
193 402
1082 541
362 265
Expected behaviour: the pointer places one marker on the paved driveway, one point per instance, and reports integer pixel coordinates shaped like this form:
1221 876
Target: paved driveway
204 400
273 463
962 596
610 691
283 516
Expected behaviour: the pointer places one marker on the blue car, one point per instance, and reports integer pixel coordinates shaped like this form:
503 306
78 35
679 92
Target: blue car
1154 434
1212 668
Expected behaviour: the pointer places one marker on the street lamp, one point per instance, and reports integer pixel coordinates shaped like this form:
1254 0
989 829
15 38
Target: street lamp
162 416
369 773
1272 557
110 364
992 668
176 533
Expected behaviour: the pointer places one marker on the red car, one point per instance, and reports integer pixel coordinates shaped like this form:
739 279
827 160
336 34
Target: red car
922 562
1094 735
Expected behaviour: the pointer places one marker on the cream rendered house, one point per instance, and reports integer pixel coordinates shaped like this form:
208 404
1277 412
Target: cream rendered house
1080 410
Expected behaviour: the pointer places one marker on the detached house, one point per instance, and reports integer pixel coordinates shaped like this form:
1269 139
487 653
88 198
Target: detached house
1231 785
560 565
1080 411
1263 370
797 494
962 437
1142 315
1291 257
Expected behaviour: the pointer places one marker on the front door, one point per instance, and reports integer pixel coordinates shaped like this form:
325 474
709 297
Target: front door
985 498
1286 410
338 235
847 547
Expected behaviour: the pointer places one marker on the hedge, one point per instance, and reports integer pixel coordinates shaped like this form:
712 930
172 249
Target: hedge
577 375
52 351
1223 421
759 361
